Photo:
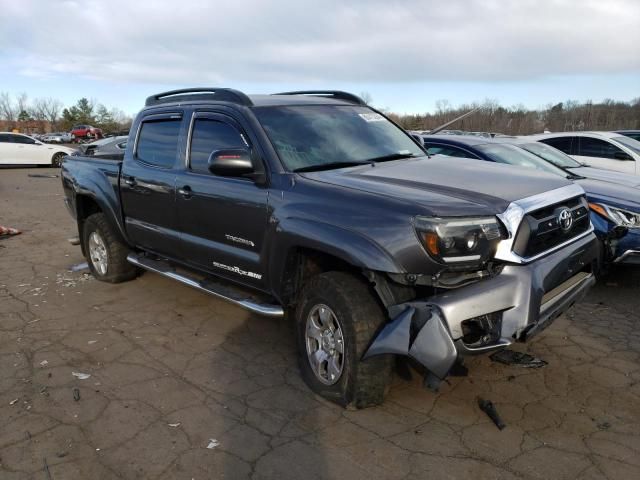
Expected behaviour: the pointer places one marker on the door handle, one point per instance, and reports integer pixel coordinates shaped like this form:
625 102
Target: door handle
130 181
185 191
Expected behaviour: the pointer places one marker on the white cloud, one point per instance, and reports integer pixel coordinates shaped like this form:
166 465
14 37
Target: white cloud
201 42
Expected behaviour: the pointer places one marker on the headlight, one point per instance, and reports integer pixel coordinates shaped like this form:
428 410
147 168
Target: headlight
460 240
618 216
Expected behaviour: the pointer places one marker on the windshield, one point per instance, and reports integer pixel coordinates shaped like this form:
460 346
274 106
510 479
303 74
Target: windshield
553 155
308 136
513 155
629 143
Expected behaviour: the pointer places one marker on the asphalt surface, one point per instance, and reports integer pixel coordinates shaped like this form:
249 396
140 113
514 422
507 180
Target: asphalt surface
152 380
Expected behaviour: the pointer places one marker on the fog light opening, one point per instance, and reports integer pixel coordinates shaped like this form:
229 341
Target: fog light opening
482 331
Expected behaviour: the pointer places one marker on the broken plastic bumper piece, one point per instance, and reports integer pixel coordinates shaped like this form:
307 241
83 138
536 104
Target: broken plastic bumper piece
490 314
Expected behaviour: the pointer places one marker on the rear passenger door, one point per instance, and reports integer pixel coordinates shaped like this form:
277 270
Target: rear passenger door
222 219
147 183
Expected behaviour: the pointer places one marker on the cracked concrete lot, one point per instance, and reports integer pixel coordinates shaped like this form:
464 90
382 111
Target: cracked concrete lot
173 372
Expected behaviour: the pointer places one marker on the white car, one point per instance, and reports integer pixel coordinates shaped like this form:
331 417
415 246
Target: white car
606 150
18 149
58 138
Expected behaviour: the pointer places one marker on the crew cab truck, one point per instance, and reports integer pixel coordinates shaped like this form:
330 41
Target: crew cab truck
314 205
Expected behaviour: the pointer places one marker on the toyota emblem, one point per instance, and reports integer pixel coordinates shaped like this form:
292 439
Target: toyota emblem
565 219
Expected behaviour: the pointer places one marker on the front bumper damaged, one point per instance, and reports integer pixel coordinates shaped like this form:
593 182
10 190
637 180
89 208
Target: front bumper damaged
521 301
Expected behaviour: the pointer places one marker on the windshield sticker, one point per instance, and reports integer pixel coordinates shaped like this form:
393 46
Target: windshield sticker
371 117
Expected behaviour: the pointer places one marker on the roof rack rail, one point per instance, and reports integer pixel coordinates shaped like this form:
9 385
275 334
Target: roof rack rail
187 94
337 94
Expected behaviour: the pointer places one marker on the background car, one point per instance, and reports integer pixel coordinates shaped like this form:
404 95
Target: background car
18 149
608 150
59 137
615 207
635 134
86 131
112 147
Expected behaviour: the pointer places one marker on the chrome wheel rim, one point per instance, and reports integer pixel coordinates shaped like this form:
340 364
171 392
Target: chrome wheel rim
325 344
98 253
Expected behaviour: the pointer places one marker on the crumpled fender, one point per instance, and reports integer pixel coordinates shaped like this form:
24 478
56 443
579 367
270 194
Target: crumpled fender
432 346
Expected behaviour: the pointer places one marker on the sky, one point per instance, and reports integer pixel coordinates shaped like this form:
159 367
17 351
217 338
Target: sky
406 55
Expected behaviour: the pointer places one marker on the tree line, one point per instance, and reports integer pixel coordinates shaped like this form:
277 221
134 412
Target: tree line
50 114
46 114
518 120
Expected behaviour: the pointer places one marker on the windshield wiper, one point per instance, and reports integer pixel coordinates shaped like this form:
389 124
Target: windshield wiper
391 156
331 165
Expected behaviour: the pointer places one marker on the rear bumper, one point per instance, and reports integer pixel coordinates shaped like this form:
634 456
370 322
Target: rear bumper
522 300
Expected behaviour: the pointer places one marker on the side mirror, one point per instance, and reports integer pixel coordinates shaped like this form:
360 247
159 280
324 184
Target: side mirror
231 162
620 155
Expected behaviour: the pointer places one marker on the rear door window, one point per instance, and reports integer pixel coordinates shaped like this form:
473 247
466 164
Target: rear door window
6 138
158 142
564 144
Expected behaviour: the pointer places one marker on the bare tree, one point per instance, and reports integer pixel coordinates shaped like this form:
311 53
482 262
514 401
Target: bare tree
52 108
7 109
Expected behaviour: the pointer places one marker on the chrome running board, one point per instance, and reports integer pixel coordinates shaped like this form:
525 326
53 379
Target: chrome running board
232 294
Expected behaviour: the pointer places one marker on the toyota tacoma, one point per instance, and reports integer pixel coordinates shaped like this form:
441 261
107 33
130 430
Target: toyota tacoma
316 206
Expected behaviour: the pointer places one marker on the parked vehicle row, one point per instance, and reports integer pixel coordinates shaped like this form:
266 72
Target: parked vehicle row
316 205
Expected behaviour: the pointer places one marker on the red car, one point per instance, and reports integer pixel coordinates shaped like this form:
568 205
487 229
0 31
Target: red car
86 131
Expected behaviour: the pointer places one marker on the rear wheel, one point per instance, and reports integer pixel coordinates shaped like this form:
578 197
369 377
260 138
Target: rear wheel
336 318
106 253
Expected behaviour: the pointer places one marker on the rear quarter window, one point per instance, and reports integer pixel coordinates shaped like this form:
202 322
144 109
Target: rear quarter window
158 142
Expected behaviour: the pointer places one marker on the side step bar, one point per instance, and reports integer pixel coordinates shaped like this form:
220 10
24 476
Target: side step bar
229 293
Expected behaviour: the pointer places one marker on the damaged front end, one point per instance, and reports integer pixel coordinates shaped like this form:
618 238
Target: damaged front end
523 297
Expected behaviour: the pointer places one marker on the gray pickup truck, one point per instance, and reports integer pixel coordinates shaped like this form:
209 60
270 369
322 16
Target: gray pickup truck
314 205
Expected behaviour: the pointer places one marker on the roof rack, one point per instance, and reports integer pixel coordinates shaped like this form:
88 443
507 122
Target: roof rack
337 94
187 94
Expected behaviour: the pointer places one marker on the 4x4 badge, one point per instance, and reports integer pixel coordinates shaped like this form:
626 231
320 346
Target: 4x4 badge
565 219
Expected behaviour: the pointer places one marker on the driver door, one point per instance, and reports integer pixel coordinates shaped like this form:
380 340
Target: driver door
222 220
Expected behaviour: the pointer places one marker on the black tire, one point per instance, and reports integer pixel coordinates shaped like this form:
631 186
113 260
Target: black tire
56 161
362 383
117 268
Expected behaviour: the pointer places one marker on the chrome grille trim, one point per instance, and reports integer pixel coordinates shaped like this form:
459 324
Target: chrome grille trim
514 214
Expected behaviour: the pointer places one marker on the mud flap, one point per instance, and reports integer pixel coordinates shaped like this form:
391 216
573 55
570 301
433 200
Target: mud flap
432 346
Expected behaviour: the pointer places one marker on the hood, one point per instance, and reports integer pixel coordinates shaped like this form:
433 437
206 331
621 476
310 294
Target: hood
612 194
446 186
607 175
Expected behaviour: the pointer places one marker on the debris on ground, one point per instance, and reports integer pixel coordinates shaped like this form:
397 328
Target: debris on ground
46 468
74 241
13 402
81 376
174 425
76 394
489 408
519 359
42 175
44 363
79 267
8 231
213 443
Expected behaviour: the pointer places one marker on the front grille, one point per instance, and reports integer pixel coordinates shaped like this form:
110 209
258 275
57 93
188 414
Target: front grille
541 229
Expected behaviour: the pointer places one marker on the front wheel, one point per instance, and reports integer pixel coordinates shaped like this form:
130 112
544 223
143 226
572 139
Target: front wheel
336 318
56 161
106 253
